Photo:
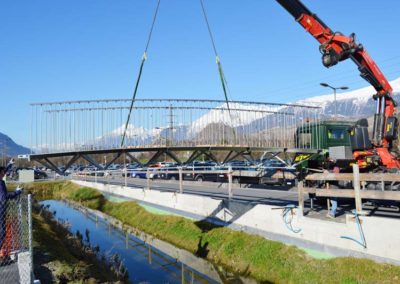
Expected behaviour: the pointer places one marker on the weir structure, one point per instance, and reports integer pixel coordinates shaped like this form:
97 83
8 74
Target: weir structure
81 129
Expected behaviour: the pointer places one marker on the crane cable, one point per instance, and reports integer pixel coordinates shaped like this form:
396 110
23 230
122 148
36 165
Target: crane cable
220 69
144 57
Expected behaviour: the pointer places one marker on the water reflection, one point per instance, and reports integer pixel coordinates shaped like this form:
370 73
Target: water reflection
156 263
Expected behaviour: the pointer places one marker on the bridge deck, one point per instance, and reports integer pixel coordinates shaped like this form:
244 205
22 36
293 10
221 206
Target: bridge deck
197 151
174 148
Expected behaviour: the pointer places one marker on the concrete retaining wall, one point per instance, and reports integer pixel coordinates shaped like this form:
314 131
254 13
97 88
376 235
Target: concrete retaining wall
381 234
197 205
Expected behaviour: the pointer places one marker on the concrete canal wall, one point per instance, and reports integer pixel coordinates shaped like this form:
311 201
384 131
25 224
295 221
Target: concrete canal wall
381 234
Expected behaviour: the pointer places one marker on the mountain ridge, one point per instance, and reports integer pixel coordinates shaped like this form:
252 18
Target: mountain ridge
352 104
9 148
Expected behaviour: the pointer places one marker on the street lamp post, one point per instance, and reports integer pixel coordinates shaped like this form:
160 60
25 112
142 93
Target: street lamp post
334 93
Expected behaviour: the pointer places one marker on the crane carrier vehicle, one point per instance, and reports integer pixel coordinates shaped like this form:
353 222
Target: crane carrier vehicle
376 154
343 143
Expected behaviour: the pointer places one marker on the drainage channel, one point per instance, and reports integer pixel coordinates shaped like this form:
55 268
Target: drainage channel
147 260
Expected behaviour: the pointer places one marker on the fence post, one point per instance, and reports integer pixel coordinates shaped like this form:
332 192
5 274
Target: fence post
150 261
356 184
230 182
182 273
300 188
180 180
30 233
126 170
95 176
126 176
148 178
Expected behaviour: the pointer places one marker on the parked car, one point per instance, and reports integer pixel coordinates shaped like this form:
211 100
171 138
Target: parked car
277 173
203 172
243 174
138 173
39 174
114 167
169 173
129 169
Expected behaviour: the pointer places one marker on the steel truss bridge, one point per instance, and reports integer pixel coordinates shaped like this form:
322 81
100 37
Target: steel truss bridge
165 127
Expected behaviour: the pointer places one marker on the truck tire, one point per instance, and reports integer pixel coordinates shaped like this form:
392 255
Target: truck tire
199 178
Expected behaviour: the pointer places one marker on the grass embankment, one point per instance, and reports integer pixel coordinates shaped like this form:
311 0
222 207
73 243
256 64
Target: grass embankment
250 255
61 260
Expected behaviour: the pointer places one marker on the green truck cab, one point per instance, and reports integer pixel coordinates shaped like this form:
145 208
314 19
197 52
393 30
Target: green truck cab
321 136
324 134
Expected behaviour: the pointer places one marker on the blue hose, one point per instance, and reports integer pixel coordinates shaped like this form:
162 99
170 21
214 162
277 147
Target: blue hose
362 243
287 218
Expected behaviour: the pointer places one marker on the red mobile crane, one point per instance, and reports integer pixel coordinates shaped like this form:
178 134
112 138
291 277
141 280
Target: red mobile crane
336 47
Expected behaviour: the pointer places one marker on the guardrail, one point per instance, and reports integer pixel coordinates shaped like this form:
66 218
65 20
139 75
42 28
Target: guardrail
221 174
151 172
358 190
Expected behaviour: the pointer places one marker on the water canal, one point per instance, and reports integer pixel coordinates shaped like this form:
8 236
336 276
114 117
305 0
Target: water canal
146 260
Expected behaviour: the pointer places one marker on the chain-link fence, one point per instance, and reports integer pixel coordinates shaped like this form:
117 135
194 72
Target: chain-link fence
16 240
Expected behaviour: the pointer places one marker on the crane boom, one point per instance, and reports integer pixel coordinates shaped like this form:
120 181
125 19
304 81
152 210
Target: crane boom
336 47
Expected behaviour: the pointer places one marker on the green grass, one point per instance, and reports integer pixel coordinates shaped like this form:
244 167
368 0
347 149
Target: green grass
246 254
56 262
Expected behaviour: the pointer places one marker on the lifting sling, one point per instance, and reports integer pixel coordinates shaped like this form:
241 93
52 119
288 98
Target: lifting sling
144 57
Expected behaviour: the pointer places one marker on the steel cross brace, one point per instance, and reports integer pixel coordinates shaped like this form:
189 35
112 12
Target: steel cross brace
49 164
173 156
133 158
209 155
69 164
155 157
112 160
93 162
193 156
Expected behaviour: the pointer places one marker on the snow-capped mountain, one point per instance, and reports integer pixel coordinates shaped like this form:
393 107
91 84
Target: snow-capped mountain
133 134
352 104
239 115
249 118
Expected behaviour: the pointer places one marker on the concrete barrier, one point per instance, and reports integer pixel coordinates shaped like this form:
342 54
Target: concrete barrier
326 236
323 235
197 205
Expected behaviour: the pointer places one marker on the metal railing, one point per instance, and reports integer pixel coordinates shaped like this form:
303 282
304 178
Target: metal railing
98 125
228 177
16 240
368 186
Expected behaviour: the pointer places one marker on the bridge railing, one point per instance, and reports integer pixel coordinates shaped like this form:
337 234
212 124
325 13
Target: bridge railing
99 125
225 176
367 186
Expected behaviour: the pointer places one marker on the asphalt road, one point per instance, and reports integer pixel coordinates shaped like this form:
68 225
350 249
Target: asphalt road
271 195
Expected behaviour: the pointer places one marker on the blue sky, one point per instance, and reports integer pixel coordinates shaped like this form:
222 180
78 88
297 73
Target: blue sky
80 49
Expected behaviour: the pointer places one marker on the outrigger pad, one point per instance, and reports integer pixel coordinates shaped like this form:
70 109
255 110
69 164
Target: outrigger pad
362 122
359 137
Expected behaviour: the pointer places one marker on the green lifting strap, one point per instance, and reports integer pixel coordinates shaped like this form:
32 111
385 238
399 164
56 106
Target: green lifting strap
223 81
144 58
220 70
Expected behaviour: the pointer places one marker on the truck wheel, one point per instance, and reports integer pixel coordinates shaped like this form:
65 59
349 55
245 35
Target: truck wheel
235 180
173 178
199 179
